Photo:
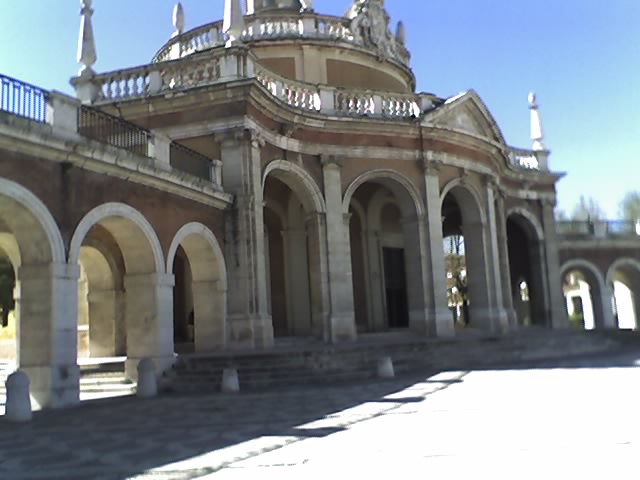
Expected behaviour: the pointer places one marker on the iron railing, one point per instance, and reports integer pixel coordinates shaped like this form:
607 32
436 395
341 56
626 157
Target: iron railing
190 161
597 228
106 128
23 99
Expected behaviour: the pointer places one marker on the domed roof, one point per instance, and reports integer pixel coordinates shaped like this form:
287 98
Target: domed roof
263 5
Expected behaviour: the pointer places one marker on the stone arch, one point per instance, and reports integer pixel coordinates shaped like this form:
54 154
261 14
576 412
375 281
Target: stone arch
583 266
532 224
627 271
619 264
405 191
299 181
37 252
468 199
30 221
525 238
148 302
600 295
208 283
132 234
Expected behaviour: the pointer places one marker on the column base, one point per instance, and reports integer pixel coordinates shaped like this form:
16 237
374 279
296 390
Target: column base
421 323
443 320
250 332
53 386
343 328
162 364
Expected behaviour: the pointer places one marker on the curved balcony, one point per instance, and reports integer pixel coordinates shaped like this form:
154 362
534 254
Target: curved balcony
238 63
271 27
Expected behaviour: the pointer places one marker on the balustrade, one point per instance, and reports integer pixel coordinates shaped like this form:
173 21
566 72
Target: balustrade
523 159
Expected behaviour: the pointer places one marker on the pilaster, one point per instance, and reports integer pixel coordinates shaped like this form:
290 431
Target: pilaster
249 323
556 307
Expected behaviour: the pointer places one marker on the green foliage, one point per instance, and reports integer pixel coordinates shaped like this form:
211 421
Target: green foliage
587 209
630 206
576 320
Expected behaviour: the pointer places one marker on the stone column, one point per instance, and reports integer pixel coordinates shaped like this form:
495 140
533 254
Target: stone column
102 322
603 308
375 290
48 339
297 281
209 312
555 308
503 255
17 298
343 322
501 320
319 277
421 319
479 277
434 262
248 321
149 320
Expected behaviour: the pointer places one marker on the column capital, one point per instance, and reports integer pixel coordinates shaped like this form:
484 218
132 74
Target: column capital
239 135
549 202
432 163
347 218
331 161
413 219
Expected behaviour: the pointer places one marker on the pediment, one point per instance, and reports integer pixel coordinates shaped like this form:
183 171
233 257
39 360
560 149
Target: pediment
467 113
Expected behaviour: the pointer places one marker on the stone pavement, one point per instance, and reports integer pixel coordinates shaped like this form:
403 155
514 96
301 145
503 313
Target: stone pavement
579 419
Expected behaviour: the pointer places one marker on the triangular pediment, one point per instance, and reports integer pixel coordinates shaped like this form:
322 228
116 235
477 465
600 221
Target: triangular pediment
466 113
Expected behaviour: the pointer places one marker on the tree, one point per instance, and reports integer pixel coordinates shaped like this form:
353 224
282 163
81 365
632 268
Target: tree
7 284
457 284
630 207
587 209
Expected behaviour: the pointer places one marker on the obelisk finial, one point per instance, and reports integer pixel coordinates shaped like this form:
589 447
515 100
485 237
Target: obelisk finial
537 134
178 19
233 24
86 44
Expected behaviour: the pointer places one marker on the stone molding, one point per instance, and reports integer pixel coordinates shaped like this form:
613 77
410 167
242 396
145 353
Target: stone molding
113 209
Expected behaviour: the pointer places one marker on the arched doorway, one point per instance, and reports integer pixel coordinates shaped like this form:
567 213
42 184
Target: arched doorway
589 302
526 263
295 244
196 260
624 279
43 327
466 254
385 240
147 288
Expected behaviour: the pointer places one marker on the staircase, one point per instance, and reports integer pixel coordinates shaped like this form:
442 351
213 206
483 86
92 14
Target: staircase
318 364
96 381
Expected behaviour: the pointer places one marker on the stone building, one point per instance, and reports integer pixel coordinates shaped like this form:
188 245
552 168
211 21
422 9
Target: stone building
274 174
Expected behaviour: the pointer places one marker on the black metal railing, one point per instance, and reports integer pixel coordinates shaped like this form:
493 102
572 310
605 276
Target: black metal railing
190 161
23 99
103 127
598 228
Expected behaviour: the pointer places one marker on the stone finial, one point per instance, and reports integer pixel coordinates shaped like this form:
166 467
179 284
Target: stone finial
18 406
233 24
178 19
147 380
230 381
537 135
401 33
307 5
86 44
385 368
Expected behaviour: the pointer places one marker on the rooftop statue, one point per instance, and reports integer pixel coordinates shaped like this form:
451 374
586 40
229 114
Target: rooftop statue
370 26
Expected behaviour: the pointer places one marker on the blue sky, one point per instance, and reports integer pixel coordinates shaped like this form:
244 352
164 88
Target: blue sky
582 57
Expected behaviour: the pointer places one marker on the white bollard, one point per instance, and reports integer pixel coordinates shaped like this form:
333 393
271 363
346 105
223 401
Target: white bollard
385 368
147 380
230 382
18 407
